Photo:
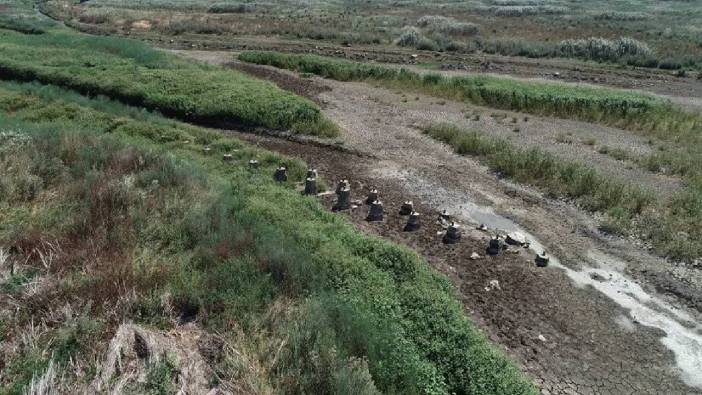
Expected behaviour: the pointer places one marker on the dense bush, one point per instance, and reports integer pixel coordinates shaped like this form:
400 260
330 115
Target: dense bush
527 10
517 47
621 50
604 50
412 37
409 38
223 8
23 24
427 44
448 26
621 16
196 25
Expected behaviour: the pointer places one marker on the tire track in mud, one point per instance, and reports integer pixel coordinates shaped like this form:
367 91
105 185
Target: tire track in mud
569 338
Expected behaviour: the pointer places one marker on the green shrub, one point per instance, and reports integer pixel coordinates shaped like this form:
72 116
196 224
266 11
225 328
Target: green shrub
517 47
427 44
409 38
670 64
605 50
448 26
540 168
161 377
24 24
224 8
527 10
622 16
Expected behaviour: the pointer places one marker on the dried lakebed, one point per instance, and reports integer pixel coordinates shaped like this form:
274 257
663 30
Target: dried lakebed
595 321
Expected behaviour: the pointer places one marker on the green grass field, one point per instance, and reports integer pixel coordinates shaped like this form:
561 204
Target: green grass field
135 74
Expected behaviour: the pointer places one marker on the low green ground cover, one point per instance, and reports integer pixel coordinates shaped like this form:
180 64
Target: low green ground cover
131 72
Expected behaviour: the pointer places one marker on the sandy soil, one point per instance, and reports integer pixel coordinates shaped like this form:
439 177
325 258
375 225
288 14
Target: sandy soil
611 319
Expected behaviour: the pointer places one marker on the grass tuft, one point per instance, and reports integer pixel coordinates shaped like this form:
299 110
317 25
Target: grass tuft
537 167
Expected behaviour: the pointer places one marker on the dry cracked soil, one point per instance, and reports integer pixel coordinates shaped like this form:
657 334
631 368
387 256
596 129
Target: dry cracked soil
606 317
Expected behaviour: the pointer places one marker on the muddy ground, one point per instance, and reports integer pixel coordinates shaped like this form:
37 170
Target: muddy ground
568 336
570 340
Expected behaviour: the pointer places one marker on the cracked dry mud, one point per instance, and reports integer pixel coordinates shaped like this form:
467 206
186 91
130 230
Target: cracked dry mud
571 339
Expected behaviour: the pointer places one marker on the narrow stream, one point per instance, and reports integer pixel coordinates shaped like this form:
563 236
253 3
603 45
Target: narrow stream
683 336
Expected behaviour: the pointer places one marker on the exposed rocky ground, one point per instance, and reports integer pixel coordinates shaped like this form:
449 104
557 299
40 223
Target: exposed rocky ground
611 319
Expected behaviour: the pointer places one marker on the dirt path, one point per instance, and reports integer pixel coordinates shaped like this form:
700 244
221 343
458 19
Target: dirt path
605 319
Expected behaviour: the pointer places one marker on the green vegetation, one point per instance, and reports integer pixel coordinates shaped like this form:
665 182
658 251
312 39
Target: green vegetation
616 153
673 226
135 210
591 141
664 34
135 74
450 26
623 50
224 8
26 25
605 50
642 113
537 167
160 378
564 138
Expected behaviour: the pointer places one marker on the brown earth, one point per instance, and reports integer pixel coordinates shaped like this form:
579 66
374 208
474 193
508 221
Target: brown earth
570 339
310 90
